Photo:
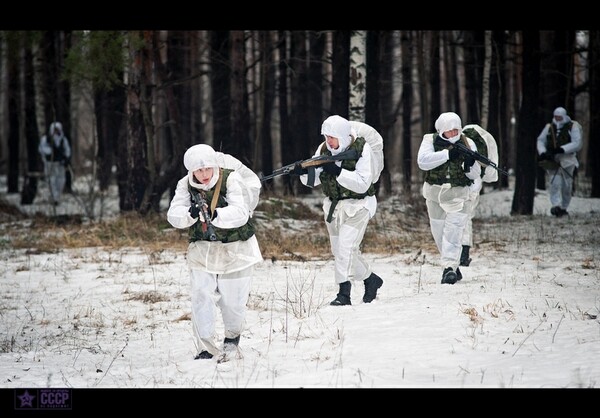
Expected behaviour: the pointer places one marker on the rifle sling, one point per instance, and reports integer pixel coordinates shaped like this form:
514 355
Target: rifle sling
213 203
553 136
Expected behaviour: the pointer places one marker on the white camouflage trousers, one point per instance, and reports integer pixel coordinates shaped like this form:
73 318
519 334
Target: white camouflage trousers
447 229
561 186
227 292
56 178
345 236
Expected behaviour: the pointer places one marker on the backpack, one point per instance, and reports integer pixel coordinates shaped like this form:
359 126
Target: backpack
486 146
375 140
251 180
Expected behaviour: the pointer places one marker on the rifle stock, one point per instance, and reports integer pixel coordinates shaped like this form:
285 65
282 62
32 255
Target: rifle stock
207 225
349 154
483 160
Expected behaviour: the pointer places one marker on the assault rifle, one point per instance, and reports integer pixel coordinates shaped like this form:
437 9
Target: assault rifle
483 160
350 154
207 225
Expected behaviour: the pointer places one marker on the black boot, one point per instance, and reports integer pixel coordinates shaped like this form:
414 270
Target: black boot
343 297
232 341
372 283
203 355
464 256
449 276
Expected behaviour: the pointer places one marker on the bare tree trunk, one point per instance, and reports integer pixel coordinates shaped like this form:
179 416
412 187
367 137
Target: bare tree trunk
63 101
472 46
407 102
593 157
434 76
379 94
170 82
134 158
282 93
297 144
340 77
32 133
14 114
423 75
516 82
526 147
358 75
220 86
109 108
449 46
497 121
485 88
314 87
264 147
240 118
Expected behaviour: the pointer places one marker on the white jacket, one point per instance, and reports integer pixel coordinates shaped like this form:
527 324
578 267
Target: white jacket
569 157
215 256
358 181
451 199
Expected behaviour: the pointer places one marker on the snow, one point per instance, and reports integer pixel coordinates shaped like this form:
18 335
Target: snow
525 315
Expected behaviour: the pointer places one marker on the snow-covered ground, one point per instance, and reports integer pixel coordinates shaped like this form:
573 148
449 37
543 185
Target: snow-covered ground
525 315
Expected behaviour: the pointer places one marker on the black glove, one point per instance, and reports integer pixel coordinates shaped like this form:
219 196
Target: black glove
332 168
214 215
559 150
298 170
194 211
544 156
469 161
453 153
441 142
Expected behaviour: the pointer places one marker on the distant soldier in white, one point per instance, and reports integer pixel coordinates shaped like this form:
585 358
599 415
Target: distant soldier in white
449 174
56 154
557 146
216 200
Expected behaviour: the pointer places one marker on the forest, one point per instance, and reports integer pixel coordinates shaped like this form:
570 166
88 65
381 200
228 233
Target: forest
132 102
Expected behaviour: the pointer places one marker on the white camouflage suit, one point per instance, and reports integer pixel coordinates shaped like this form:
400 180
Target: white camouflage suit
55 158
561 180
351 216
449 208
220 273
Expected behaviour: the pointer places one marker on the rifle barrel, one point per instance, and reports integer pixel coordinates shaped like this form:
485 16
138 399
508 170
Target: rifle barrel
481 158
349 154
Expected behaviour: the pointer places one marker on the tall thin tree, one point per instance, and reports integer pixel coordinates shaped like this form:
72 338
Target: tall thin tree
523 197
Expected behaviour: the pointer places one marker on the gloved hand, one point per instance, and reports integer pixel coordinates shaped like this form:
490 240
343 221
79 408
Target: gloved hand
441 142
545 156
194 211
332 169
298 170
559 150
469 161
453 153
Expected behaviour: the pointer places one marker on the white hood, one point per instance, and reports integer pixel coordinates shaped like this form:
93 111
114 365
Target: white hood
560 111
339 128
447 122
201 156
